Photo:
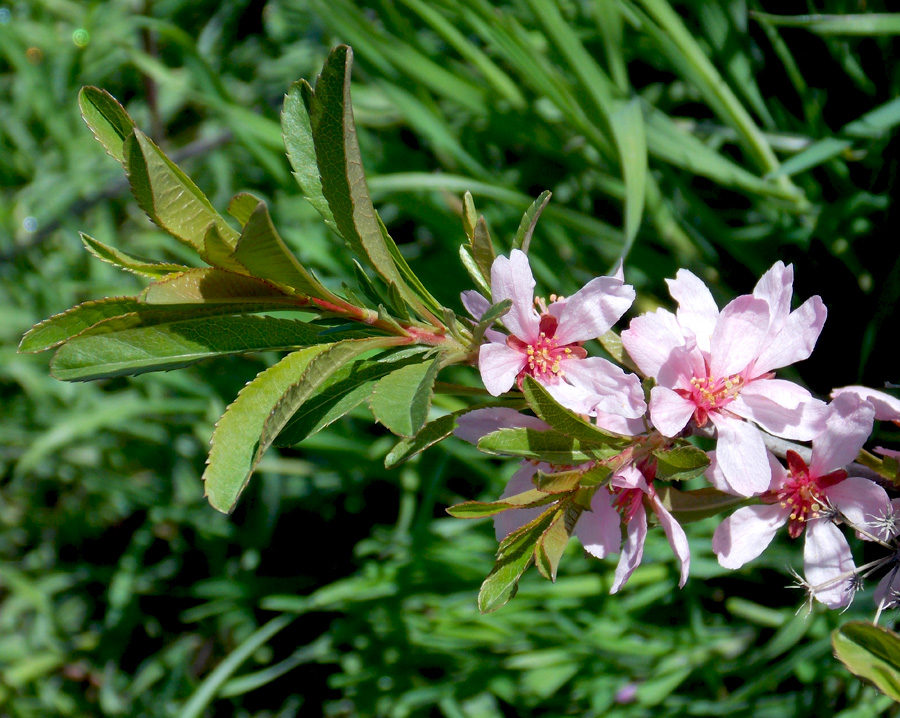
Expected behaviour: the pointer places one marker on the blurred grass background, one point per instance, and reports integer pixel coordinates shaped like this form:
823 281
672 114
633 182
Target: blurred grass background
339 588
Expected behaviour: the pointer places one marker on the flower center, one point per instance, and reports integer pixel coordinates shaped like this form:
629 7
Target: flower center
626 501
545 355
710 393
803 493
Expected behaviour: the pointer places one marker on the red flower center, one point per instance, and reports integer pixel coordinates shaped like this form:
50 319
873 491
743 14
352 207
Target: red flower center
803 493
545 355
710 394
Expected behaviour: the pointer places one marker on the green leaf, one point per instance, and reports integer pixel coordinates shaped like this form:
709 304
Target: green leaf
401 400
870 652
474 271
690 506
523 236
494 312
680 463
514 556
54 331
552 544
612 343
868 24
481 509
301 150
344 391
551 446
628 132
107 119
175 345
266 256
242 205
469 215
169 196
317 374
483 250
564 420
558 482
128 262
431 433
202 286
236 438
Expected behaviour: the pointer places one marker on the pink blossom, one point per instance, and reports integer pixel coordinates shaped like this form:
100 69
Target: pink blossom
548 346
806 496
887 407
718 367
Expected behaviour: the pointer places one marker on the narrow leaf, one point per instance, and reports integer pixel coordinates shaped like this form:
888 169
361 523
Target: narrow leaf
215 286
469 215
242 205
175 345
483 249
54 331
552 544
870 652
129 262
481 509
551 446
680 463
107 119
431 433
628 132
402 399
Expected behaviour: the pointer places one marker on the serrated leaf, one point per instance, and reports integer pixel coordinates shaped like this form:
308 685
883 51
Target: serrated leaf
431 433
200 286
266 256
551 446
129 262
301 151
107 119
320 369
236 438
401 400
344 391
870 652
564 420
690 506
552 544
680 463
482 509
169 196
469 215
218 252
474 272
54 331
514 556
176 344
558 482
529 221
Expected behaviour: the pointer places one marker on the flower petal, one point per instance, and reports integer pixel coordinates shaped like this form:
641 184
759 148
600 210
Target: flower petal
614 391
677 539
650 339
599 529
862 501
512 279
795 340
593 309
499 365
828 563
741 454
888 591
669 412
746 533
632 549
718 480
887 407
849 425
697 310
779 408
475 303
738 336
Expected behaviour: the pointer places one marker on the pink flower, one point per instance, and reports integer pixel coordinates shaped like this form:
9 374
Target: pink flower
718 367
548 347
806 496
887 407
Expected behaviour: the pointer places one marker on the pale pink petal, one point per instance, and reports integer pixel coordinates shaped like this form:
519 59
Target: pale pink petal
614 390
669 412
894 454
571 397
684 363
599 529
499 365
828 563
776 287
475 303
508 521
650 339
861 501
849 425
512 279
796 338
784 393
632 549
628 477
746 533
697 310
593 309
803 421
741 454
619 271
888 591
619 424
887 407
677 539
477 424
717 478
738 336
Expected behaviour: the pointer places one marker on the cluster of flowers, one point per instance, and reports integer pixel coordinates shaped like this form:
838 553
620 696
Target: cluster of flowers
708 366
